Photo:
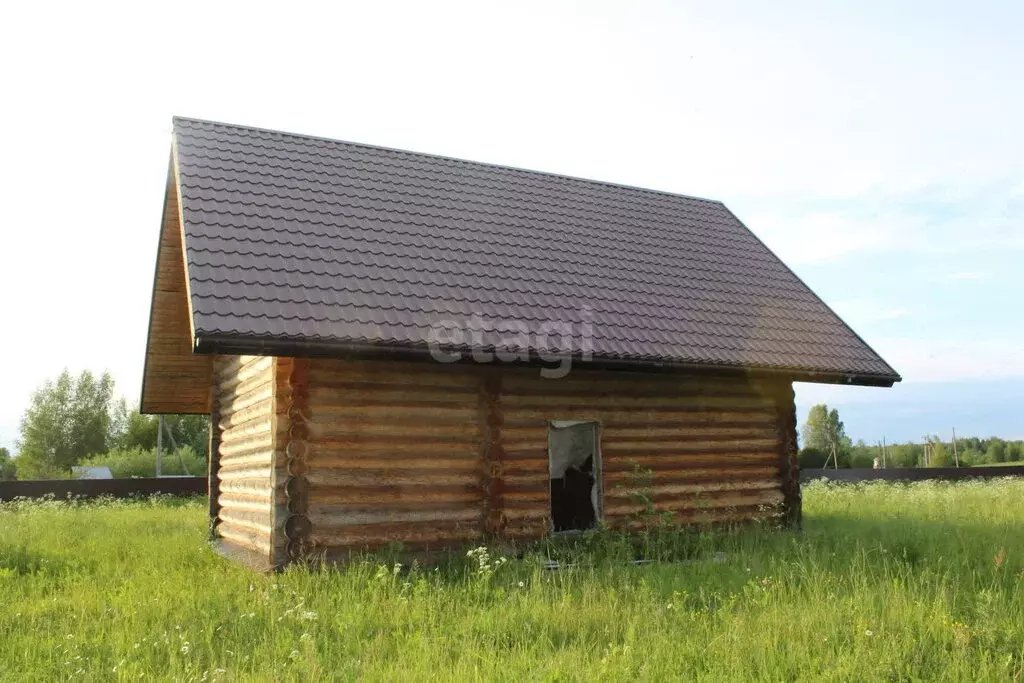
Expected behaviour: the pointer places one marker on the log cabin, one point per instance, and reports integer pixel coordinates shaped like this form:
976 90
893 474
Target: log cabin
396 347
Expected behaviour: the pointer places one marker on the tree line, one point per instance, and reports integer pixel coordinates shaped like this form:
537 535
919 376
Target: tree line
76 420
823 438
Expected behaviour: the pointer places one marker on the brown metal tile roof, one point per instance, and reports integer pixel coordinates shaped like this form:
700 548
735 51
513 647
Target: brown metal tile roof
301 240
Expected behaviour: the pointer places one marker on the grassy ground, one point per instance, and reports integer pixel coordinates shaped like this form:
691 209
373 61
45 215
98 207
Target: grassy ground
887 582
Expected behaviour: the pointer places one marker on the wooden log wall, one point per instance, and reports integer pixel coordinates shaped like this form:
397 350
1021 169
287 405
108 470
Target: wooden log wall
705 449
248 480
395 455
431 455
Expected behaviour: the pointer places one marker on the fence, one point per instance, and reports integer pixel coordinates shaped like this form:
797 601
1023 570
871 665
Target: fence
912 473
195 486
92 488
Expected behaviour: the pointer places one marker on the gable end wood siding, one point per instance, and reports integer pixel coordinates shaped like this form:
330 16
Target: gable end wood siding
175 380
431 456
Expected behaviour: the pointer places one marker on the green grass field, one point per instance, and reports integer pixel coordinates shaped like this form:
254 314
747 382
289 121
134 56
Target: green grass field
887 582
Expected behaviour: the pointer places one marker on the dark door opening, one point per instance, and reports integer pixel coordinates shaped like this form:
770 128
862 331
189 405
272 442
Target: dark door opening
575 471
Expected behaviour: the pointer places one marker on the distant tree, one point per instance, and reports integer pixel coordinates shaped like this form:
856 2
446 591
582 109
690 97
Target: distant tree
941 456
861 455
192 431
8 468
811 458
67 420
823 430
1014 451
996 451
905 455
969 457
130 430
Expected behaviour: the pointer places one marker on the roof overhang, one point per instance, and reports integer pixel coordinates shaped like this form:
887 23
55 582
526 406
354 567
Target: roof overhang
274 346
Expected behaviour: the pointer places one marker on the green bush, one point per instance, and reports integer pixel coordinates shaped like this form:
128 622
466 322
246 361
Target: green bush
140 462
812 458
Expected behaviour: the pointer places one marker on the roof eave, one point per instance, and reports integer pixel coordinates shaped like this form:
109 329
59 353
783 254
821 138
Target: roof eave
227 344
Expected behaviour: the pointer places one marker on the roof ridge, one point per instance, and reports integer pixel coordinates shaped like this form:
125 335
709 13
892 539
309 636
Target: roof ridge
428 155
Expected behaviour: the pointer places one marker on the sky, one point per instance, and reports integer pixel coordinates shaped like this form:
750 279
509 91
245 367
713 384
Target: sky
876 147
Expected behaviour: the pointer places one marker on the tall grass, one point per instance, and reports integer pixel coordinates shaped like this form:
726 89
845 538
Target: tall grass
886 582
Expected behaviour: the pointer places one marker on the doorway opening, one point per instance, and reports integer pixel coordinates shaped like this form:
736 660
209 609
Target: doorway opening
574 467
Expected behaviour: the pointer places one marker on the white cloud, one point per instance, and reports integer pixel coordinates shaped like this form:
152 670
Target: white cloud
966 275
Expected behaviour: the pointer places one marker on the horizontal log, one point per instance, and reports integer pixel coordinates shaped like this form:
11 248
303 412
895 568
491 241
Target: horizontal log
739 514
554 401
662 492
326 448
614 446
231 404
246 501
668 460
260 487
396 495
245 538
326 372
247 446
242 377
641 417
247 430
422 477
449 431
619 382
383 534
378 395
249 473
399 461
708 501
466 413
256 522
326 517
232 416
535 513
245 459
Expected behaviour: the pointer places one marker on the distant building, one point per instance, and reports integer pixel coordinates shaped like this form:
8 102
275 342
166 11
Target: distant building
306 290
92 473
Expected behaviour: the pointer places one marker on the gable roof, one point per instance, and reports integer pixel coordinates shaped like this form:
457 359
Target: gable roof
300 242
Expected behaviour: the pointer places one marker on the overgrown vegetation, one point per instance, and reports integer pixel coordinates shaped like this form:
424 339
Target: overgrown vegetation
887 582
